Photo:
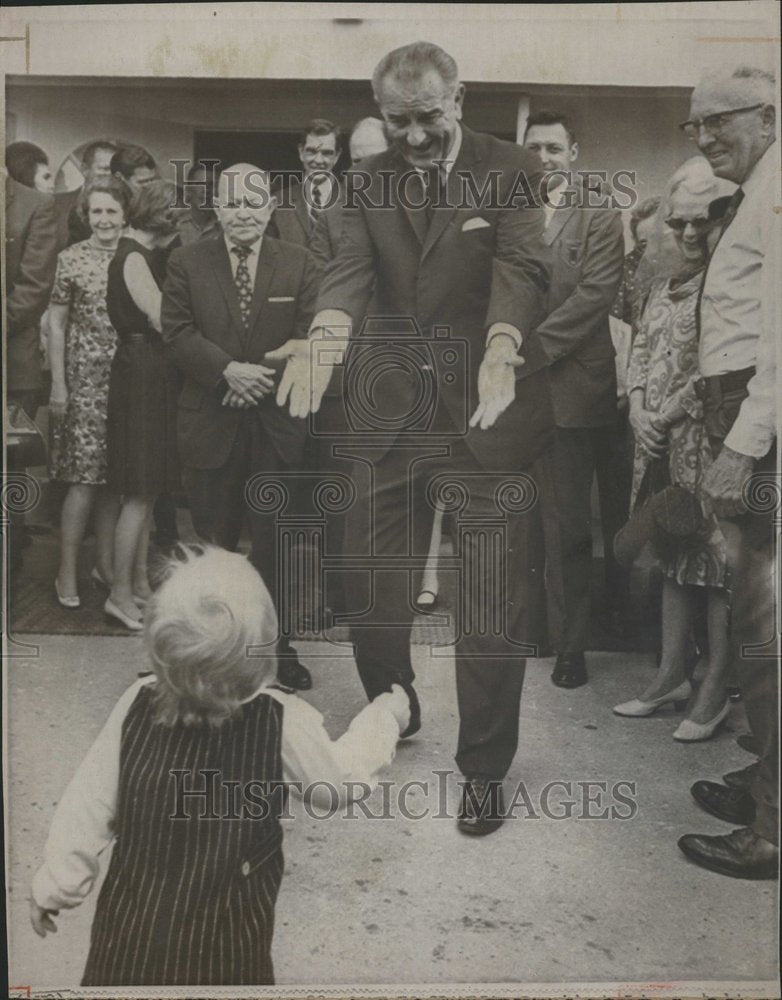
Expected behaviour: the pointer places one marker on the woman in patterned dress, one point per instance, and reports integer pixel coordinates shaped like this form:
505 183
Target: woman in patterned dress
666 416
81 347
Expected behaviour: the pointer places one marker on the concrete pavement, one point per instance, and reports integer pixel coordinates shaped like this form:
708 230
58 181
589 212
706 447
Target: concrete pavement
404 900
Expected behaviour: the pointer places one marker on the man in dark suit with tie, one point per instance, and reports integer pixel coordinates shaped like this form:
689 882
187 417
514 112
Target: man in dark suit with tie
300 204
228 300
588 257
436 388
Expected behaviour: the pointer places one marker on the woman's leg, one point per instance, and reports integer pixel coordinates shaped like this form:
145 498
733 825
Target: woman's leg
430 583
132 521
141 586
73 524
711 695
106 514
677 617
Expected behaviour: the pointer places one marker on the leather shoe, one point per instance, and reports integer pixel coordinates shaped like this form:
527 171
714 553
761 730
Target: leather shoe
748 742
415 713
742 779
731 804
741 854
291 673
570 670
483 807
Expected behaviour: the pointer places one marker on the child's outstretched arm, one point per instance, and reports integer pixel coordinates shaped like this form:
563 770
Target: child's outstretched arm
315 764
82 824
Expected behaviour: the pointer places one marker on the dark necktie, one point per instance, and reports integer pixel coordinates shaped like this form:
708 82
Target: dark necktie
244 287
433 186
317 204
733 206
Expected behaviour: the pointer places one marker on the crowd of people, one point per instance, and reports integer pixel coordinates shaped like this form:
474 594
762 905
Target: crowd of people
181 346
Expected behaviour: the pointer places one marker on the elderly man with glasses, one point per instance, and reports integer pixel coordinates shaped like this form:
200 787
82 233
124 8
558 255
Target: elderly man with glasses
733 123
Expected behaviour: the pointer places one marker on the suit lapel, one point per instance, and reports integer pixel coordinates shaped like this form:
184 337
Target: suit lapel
225 279
558 222
264 273
442 216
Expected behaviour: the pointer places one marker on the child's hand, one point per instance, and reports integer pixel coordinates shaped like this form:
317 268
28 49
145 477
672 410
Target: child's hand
399 704
42 919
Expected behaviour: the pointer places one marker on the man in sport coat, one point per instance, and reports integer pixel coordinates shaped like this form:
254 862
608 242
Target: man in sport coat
227 300
435 388
588 258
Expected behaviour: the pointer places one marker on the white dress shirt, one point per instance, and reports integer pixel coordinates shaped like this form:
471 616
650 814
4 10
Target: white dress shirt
737 326
252 258
82 824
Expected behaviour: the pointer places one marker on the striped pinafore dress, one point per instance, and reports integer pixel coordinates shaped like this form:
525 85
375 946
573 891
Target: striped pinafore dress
190 891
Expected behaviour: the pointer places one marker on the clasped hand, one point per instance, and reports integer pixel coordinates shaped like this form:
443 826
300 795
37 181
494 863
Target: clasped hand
496 381
650 431
247 384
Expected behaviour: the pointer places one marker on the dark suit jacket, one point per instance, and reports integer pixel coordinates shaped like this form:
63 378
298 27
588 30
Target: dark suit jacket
292 222
325 236
30 264
202 326
588 245
474 266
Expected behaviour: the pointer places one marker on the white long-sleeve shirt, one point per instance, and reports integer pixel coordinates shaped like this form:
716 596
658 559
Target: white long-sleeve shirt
738 326
82 826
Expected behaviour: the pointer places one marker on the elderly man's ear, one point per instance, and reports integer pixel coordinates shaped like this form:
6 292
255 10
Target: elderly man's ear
769 116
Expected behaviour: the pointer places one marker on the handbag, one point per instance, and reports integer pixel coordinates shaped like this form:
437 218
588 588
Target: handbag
666 515
24 442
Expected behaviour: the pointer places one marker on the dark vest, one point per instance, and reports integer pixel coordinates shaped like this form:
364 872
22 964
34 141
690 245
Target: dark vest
189 895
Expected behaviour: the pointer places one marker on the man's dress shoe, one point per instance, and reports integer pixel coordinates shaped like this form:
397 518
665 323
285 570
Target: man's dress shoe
734 805
748 742
415 713
570 670
483 807
741 854
742 779
291 673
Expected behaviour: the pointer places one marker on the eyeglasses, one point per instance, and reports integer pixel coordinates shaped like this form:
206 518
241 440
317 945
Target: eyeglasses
698 224
713 124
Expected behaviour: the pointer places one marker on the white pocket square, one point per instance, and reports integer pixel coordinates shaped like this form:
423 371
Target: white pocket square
281 298
476 223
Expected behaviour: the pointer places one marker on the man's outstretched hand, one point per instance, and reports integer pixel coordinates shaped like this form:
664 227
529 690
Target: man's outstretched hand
496 381
307 372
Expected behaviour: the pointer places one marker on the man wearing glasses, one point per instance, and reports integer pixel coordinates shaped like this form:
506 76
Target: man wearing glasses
733 124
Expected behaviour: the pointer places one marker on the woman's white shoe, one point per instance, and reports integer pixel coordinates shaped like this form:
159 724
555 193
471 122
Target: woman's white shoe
637 709
71 603
692 732
113 611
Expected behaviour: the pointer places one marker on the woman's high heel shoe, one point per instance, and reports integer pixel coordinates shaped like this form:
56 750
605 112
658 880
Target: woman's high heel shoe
693 732
111 609
637 709
71 603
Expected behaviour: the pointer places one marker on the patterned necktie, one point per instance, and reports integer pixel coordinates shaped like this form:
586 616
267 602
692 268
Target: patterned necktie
316 206
243 284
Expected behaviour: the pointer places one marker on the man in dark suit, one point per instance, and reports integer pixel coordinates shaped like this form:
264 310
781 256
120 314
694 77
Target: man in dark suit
435 387
30 263
228 300
367 139
588 246
300 204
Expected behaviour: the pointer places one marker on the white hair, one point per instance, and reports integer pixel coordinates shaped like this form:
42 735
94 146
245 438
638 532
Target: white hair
200 626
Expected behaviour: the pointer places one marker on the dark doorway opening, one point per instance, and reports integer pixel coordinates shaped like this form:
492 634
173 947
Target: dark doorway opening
273 151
